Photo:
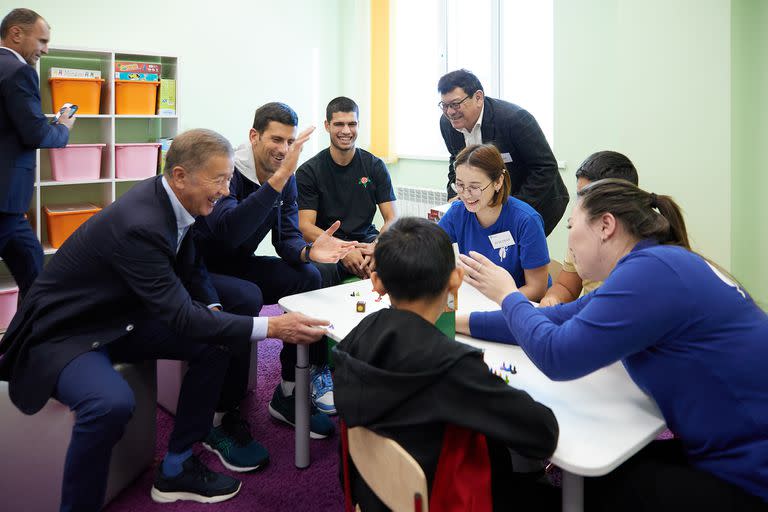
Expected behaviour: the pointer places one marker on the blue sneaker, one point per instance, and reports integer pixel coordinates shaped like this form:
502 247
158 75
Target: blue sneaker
283 408
233 443
322 389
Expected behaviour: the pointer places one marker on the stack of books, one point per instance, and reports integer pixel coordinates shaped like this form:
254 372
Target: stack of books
141 71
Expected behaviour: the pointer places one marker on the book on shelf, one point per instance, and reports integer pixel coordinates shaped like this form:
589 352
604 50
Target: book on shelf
165 145
55 72
123 66
166 97
139 77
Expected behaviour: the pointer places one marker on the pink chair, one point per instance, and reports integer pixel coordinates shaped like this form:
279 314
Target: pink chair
170 374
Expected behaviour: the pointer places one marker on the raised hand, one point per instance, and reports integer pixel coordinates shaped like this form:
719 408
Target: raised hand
493 281
328 249
292 158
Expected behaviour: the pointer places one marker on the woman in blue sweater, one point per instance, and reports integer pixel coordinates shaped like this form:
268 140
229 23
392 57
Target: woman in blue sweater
687 333
506 230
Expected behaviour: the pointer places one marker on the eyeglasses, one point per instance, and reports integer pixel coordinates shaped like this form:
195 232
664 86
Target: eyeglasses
473 190
454 105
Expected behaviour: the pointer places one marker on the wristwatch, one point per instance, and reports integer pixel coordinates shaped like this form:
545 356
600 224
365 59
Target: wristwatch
308 248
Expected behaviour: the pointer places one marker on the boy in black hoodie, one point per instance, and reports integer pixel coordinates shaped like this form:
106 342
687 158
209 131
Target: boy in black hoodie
398 375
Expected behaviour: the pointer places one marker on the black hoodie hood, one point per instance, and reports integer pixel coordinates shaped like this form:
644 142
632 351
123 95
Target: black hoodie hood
371 367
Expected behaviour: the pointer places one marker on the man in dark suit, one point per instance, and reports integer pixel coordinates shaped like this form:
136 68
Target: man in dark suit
128 285
470 117
24 38
262 200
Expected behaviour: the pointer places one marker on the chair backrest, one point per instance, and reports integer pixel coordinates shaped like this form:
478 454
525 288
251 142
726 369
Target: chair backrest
390 471
554 269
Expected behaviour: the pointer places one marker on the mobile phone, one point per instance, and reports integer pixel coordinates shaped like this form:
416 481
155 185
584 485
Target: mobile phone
61 111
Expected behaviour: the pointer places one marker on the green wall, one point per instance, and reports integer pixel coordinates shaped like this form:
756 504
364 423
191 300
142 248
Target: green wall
650 79
749 140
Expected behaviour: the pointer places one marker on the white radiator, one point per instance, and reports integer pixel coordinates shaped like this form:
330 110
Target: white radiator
417 202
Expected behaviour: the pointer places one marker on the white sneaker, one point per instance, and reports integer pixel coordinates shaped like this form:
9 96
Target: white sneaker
322 389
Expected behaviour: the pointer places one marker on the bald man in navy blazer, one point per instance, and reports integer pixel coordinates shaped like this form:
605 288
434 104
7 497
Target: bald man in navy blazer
24 38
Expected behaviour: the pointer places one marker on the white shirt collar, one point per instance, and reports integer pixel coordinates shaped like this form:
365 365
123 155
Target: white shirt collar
183 217
17 54
245 162
478 124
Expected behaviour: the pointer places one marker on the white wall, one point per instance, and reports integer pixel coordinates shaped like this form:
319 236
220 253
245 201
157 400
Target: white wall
234 55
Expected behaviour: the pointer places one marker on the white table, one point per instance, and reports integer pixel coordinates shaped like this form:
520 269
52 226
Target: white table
604 418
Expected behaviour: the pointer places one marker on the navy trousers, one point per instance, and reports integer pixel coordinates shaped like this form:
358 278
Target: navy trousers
20 249
103 404
268 280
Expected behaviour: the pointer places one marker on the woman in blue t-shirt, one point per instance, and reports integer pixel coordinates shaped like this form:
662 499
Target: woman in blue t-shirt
487 220
687 333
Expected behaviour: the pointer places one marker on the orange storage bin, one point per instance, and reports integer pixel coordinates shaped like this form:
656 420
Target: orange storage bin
135 97
83 92
63 220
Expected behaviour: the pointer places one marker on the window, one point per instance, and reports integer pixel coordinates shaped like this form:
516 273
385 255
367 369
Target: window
508 44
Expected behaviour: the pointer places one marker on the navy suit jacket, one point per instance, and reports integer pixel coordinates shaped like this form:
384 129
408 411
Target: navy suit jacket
533 169
118 269
241 220
23 129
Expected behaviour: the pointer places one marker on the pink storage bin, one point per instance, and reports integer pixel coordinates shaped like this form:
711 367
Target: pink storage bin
9 296
76 162
136 160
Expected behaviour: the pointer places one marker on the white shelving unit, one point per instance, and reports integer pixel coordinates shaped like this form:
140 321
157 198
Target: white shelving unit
105 127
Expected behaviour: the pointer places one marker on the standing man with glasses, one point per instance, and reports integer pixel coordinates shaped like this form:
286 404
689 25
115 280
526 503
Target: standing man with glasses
469 117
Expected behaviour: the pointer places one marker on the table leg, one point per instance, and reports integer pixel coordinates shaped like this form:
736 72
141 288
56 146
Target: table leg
573 492
302 406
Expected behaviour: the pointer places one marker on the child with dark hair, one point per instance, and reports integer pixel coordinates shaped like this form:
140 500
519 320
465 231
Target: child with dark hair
569 286
398 375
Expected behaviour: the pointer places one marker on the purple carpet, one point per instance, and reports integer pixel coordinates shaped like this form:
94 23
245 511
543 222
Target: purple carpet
278 487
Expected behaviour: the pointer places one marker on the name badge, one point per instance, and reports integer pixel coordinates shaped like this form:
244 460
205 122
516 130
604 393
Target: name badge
500 240
507 159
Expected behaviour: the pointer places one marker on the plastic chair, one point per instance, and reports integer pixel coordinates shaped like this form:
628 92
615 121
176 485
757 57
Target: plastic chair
170 374
391 472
